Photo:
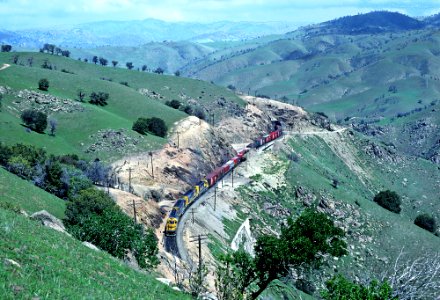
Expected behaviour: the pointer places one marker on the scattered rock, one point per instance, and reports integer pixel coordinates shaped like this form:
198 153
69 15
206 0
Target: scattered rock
164 281
11 262
45 103
90 245
49 220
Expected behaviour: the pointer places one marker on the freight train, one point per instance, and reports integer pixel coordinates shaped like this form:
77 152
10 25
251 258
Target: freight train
212 178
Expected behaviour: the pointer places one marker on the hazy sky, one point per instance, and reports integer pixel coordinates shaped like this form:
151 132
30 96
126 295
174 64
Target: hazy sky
18 14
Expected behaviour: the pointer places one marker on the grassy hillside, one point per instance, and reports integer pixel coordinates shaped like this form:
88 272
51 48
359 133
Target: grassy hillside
55 266
16 191
375 235
170 56
78 129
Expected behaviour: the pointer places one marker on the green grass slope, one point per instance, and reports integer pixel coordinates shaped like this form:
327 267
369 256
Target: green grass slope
18 192
125 105
55 266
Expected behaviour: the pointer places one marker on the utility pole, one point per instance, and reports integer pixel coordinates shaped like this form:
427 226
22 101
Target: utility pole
232 178
215 197
129 179
134 211
152 169
192 213
199 239
178 140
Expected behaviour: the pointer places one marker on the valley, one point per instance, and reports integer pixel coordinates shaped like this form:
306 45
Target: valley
106 150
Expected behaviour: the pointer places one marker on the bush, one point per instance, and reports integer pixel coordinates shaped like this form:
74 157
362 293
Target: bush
154 125
99 98
94 217
340 288
199 113
426 222
35 120
140 125
43 84
174 103
157 127
389 200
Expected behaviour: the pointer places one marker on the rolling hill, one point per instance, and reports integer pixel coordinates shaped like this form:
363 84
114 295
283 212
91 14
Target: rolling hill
88 130
340 68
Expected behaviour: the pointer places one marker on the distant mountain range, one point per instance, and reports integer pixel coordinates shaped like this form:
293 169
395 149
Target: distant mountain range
134 33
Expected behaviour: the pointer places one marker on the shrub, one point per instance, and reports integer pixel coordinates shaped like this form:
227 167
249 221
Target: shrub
187 109
140 125
154 125
34 119
174 103
99 98
43 84
157 127
94 217
340 288
389 200
426 222
199 113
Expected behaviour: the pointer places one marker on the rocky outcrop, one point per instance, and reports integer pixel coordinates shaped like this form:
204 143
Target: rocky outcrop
45 103
119 140
49 220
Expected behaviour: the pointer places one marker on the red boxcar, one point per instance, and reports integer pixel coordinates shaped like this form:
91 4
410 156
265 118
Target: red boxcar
214 176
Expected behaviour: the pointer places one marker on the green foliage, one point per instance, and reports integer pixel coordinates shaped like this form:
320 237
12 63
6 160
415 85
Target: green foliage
339 288
43 84
174 103
426 222
234 275
303 242
140 125
35 120
389 200
1 98
154 125
99 98
157 126
6 48
94 217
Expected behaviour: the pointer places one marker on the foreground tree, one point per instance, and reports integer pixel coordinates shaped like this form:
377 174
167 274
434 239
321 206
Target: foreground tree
99 98
389 200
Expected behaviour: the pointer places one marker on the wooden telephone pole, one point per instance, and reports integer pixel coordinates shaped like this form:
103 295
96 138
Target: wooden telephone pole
129 180
134 210
199 239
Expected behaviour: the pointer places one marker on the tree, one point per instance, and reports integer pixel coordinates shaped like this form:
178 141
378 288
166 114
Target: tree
99 98
159 70
94 217
1 98
129 65
103 61
144 68
114 63
43 84
15 58
199 113
81 95
302 244
426 222
53 126
65 53
58 50
339 288
140 125
177 73
234 275
30 61
154 125
174 103
157 127
6 48
389 200
35 120
95 59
